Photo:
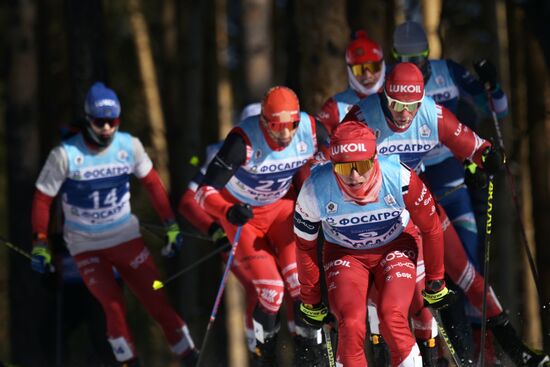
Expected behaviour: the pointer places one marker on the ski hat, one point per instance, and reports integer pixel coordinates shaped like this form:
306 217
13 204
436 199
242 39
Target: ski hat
251 109
280 104
362 49
409 38
101 102
405 83
352 141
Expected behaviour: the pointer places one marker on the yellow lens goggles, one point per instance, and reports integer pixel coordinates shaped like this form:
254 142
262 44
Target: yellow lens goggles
346 168
399 106
361 69
414 58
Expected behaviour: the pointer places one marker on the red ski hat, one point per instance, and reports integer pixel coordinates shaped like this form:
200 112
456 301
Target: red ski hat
362 49
405 83
352 141
280 105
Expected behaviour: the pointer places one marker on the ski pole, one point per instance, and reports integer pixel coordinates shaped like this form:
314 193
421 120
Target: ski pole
22 252
220 293
446 339
157 284
515 199
488 230
328 342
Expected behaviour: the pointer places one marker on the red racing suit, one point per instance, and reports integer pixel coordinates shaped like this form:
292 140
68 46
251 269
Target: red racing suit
101 232
250 169
362 246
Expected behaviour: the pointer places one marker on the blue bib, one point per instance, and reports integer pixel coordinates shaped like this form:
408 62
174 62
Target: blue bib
96 193
267 175
411 145
361 226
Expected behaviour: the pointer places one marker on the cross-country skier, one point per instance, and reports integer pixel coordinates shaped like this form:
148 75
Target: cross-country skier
249 184
91 171
410 124
366 205
366 69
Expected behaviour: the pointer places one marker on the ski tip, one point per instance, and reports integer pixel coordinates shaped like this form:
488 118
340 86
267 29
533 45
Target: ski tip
157 284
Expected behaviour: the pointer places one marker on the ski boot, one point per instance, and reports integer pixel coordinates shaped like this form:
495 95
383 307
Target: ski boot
380 351
265 354
309 353
513 346
428 350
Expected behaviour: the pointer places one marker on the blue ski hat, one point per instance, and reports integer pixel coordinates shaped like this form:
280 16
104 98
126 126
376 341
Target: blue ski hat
409 38
101 102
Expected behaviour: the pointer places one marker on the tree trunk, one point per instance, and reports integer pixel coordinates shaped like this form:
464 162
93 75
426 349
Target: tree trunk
30 337
151 89
257 47
322 38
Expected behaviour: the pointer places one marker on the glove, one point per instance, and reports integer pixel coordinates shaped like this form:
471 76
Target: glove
218 236
174 240
313 315
492 159
239 214
487 73
41 258
475 177
437 295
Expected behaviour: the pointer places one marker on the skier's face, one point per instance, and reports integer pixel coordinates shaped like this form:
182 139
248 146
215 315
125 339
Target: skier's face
281 133
105 128
368 74
402 112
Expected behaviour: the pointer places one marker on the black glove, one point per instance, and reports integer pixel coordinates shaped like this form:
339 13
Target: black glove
487 73
474 177
314 315
218 236
437 295
492 160
239 214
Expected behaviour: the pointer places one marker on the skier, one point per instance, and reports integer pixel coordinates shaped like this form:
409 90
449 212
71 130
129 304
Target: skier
249 184
366 69
207 224
91 170
366 205
410 124
447 82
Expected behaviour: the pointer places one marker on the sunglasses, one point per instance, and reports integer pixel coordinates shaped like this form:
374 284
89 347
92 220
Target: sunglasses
346 168
280 126
361 69
399 106
99 123
414 58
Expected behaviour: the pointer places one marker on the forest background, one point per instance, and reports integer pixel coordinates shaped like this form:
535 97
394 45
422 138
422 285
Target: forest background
183 70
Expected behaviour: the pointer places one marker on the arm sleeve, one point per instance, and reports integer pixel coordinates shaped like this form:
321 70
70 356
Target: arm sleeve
421 205
329 115
469 84
158 196
193 213
231 156
306 227
40 216
53 173
143 163
463 142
